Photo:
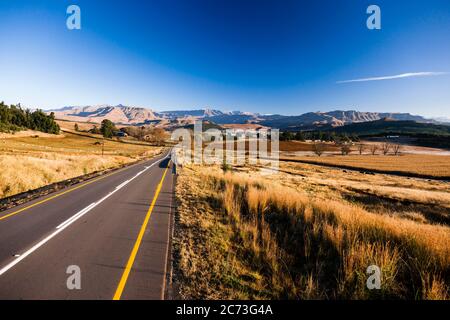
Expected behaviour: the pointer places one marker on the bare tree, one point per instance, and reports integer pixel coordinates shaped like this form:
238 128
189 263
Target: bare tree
385 147
140 135
156 136
361 148
319 148
345 149
396 148
373 149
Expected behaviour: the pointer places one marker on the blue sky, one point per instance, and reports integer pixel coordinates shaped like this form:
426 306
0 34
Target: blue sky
264 56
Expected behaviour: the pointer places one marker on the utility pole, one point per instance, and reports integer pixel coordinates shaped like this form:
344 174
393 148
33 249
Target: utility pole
103 146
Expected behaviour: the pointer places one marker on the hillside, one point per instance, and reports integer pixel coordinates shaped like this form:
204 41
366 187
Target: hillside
121 114
420 134
118 114
332 119
200 113
389 127
206 125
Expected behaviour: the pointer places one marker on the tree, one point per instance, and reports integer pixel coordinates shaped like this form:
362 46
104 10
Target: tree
42 122
373 149
286 136
354 137
299 136
14 118
396 148
361 148
95 130
108 129
141 134
157 136
344 137
345 149
385 147
319 148
320 136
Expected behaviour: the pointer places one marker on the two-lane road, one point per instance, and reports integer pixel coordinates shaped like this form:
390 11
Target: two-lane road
114 228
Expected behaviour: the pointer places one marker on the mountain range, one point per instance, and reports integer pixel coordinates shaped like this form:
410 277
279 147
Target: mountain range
128 115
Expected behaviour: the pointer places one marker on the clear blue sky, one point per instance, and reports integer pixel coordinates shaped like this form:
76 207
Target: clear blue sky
252 55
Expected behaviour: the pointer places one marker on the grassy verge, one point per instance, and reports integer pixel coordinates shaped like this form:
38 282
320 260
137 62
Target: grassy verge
242 235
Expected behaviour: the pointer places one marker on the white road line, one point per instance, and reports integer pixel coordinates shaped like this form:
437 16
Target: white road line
124 183
69 221
77 215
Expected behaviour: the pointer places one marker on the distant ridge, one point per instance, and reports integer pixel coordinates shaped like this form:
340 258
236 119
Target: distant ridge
132 115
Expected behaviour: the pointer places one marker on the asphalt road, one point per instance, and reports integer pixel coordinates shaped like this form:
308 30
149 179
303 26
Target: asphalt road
109 235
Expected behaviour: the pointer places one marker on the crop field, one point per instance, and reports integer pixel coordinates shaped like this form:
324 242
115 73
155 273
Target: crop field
310 232
29 161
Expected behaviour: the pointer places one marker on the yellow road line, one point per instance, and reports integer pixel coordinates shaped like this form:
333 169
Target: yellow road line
126 272
60 194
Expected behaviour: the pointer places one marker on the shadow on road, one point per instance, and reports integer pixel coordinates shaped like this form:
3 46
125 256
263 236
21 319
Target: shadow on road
164 163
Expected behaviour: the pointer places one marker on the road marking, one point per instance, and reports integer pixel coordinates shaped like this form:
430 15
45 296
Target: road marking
77 215
62 193
65 224
125 182
126 272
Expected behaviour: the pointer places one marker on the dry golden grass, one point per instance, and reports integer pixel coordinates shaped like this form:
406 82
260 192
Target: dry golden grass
30 162
431 165
415 199
243 235
70 125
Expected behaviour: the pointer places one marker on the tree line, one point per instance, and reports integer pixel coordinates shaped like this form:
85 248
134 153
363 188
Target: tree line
14 118
318 136
343 141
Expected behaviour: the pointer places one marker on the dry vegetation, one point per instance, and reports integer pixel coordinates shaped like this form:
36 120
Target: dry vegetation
310 232
70 125
431 165
30 162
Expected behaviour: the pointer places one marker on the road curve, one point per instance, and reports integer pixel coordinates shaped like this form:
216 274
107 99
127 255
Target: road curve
114 231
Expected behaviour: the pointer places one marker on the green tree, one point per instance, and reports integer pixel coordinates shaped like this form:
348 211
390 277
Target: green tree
108 129
14 118
286 136
299 136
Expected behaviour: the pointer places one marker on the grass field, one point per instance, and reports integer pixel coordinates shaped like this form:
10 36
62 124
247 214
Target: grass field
310 232
70 125
30 161
431 165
